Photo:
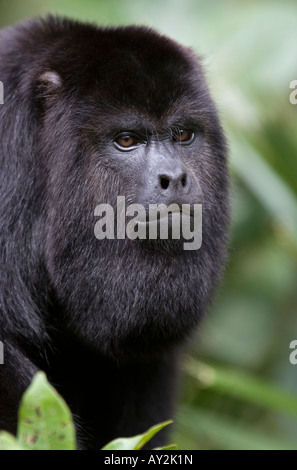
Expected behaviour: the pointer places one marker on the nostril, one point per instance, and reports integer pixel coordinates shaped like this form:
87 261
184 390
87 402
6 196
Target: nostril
184 180
164 181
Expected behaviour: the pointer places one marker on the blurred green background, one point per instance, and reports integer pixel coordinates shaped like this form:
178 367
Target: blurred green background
239 388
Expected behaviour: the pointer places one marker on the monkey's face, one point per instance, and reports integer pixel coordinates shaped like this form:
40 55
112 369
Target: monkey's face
155 166
132 120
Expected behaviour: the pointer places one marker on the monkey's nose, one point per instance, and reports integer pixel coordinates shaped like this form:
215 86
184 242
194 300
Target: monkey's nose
175 182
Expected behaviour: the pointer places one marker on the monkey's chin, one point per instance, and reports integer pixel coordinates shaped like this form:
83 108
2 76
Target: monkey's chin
160 247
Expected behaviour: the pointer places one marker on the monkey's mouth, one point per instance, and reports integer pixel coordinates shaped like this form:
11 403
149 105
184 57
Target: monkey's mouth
166 224
172 217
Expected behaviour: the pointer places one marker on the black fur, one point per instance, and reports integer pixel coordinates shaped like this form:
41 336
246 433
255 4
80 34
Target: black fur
104 319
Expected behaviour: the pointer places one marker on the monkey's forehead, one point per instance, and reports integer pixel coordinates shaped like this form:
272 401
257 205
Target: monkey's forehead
131 66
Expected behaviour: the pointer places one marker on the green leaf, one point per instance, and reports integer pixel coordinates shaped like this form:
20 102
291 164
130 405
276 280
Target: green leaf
169 447
9 442
136 442
243 386
45 421
223 432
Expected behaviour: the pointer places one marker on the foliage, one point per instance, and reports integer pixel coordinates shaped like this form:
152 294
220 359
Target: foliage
45 423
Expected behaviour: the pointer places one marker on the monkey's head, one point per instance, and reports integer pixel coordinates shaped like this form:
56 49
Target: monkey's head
124 112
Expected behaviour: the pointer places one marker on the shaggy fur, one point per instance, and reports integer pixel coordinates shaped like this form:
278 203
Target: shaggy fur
104 319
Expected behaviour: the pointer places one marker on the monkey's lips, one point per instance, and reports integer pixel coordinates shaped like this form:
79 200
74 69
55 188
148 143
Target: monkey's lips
169 225
172 217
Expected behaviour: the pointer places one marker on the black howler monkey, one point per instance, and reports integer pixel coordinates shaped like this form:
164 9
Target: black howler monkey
91 114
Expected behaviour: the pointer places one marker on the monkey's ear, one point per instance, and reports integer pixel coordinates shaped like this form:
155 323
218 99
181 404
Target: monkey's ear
50 80
48 85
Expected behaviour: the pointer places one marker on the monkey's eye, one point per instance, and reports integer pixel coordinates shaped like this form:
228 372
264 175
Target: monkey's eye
127 142
184 136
